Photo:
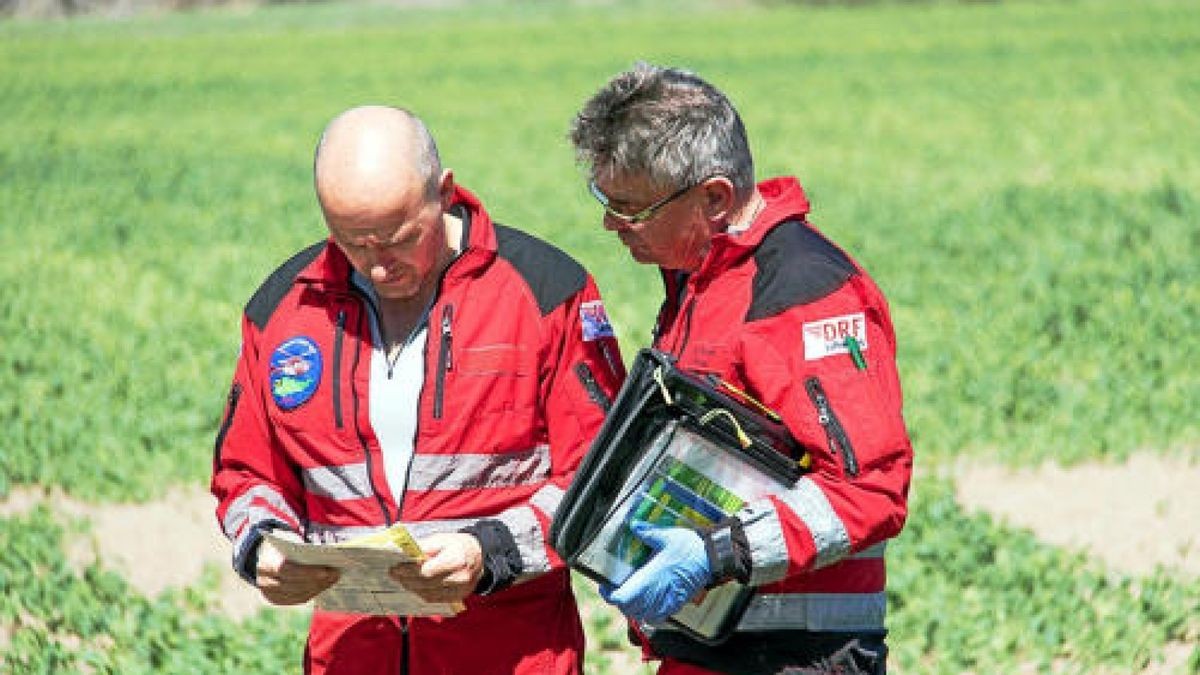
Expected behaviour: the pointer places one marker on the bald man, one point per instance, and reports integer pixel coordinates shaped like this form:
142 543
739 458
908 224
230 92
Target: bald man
422 365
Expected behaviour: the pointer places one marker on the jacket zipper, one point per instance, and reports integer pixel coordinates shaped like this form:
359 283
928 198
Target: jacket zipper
445 362
235 393
362 441
673 293
337 368
404 646
839 442
687 326
592 386
686 309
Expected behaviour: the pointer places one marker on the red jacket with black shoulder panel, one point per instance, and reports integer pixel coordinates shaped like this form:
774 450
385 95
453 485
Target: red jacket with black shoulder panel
770 310
518 355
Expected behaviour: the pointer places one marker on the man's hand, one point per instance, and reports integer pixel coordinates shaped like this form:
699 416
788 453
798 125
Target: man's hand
288 583
677 572
450 571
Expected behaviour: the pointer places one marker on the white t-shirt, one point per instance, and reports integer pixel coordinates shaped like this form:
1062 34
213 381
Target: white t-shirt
395 393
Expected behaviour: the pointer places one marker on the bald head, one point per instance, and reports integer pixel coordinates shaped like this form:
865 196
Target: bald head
372 157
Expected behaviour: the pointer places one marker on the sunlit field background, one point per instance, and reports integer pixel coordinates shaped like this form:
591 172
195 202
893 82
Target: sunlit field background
1021 178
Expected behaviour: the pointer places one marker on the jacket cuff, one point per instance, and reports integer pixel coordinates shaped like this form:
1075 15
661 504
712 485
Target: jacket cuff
245 557
728 552
501 557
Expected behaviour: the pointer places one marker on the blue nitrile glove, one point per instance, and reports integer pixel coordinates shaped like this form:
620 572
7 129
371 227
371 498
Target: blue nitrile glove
677 571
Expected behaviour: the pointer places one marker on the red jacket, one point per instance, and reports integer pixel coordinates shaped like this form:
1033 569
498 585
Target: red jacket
517 357
769 310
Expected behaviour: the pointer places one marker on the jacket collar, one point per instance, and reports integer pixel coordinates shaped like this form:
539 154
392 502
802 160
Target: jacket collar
784 201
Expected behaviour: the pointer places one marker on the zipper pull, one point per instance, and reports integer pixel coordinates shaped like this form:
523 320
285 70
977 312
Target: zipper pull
839 442
447 336
818 397
444 363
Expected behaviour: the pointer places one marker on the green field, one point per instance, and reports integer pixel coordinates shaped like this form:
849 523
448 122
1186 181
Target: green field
1022 179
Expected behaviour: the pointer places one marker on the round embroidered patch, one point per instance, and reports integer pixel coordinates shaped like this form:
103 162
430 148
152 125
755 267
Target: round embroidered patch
295 372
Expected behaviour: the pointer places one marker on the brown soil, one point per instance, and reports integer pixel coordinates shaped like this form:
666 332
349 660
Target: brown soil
155 546
1133 516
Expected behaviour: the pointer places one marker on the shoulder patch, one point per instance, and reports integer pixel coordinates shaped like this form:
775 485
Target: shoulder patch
594 321
268 296
552 275
796 266
295 371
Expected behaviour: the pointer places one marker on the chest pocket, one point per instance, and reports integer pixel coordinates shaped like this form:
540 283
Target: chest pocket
715 358
489 378
503 360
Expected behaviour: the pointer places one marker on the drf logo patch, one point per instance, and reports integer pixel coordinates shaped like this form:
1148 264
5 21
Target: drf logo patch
295 372
828 336
595 321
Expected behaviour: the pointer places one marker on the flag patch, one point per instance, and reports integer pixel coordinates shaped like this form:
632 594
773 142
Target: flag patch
594 320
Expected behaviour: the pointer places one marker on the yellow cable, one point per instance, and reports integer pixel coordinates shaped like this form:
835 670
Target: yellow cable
743 438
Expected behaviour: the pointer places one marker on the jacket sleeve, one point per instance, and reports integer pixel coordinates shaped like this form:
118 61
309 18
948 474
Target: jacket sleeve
846 413
580 372
255 488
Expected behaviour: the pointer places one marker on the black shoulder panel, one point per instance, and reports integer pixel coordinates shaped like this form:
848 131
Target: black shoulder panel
268 296
552 275
796 265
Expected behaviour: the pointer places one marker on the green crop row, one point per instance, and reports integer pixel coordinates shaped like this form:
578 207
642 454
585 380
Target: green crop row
68 621
968 594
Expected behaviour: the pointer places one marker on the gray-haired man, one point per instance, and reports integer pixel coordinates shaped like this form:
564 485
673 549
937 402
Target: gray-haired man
758 297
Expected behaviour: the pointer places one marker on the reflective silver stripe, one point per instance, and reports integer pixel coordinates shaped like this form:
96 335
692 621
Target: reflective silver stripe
425 528
324 533
468 470
816 611
875 551
242 512
328 534
348 481
548 499
526 530
828 532
768 549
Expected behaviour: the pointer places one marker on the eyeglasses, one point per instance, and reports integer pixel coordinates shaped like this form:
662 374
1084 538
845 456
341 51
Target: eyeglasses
646 213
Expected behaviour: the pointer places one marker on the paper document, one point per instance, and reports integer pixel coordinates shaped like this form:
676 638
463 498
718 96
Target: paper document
365 587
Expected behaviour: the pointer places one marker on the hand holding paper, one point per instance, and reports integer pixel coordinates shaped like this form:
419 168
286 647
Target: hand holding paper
364 583
286 582
450 571
677 572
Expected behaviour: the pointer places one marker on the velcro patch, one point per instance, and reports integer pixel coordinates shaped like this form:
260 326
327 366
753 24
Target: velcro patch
595 321
828 336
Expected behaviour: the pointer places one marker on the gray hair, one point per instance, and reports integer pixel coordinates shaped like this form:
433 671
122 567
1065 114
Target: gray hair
666 124
427 161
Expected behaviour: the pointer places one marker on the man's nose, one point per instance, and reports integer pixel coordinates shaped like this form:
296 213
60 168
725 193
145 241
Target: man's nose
379 247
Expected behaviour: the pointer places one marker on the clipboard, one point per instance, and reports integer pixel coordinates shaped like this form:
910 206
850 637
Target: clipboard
676 448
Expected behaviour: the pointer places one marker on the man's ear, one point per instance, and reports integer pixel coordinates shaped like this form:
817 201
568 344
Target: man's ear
446 188
720 197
